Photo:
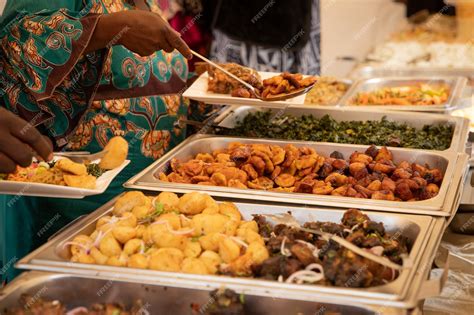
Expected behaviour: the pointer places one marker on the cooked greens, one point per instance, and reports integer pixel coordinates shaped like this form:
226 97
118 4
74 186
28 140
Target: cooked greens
95 170
326 129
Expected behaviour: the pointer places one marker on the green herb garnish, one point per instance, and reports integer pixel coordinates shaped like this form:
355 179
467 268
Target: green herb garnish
381 132
95 170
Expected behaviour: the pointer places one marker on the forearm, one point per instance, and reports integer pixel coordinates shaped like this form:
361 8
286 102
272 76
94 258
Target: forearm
109 30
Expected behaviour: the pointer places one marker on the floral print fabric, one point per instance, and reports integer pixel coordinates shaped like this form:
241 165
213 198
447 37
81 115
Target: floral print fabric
83 100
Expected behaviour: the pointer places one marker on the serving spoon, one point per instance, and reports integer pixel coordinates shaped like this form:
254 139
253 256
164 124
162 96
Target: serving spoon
253 90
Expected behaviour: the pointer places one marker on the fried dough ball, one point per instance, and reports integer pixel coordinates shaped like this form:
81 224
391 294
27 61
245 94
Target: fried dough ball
228 250
194 203
195 266
109 246
166 259
84 240
242 266
250 236
138 261
162 237
130 200
209 223
140 229
212 260
123 233
99 258
211 241
192 249
258 251
118 260
116 153
229 209
127 219
142 211
251 225
83 258
173 219
134 246
169 200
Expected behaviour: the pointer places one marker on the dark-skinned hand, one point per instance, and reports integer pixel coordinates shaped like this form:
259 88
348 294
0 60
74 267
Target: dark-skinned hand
19 142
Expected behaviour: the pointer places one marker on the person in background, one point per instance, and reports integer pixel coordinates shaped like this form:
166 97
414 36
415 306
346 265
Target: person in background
81 72
432 6
266 35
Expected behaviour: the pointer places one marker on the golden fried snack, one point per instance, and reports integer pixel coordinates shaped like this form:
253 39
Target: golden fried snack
80 181
370 174
117 151
69 166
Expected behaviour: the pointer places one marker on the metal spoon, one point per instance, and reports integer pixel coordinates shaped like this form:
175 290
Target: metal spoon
252 89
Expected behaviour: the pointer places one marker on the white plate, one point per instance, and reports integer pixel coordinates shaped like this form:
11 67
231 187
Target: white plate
56 191
198 91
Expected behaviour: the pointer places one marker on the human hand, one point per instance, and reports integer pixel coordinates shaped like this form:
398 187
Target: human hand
143 32
19 142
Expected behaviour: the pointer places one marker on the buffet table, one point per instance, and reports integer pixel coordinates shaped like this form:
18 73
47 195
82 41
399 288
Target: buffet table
258 213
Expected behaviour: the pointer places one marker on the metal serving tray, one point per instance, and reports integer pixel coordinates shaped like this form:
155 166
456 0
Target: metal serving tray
76 291
53 256
232 115
348 84
456 85
451 163
375 71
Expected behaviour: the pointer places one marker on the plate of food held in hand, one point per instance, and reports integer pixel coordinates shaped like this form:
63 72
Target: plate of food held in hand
215 87
63 178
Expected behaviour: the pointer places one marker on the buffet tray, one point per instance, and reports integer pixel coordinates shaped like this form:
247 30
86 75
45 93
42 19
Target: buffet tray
54 256
451 163
76 291
229 118
456 84
373 71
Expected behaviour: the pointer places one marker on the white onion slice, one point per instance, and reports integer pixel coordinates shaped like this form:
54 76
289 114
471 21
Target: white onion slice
239 241
283 250
77 310
305 276
72 243
377 250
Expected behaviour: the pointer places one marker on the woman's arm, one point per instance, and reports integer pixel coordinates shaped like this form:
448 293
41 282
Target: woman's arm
142 32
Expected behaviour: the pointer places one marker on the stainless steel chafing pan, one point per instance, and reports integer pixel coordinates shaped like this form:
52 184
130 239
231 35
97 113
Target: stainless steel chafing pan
451 163
54 256
75 291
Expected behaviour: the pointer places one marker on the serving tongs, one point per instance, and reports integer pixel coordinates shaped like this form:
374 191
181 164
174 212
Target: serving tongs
253 90
289 220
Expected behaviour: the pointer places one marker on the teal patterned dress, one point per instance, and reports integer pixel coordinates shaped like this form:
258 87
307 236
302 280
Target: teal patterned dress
80 101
